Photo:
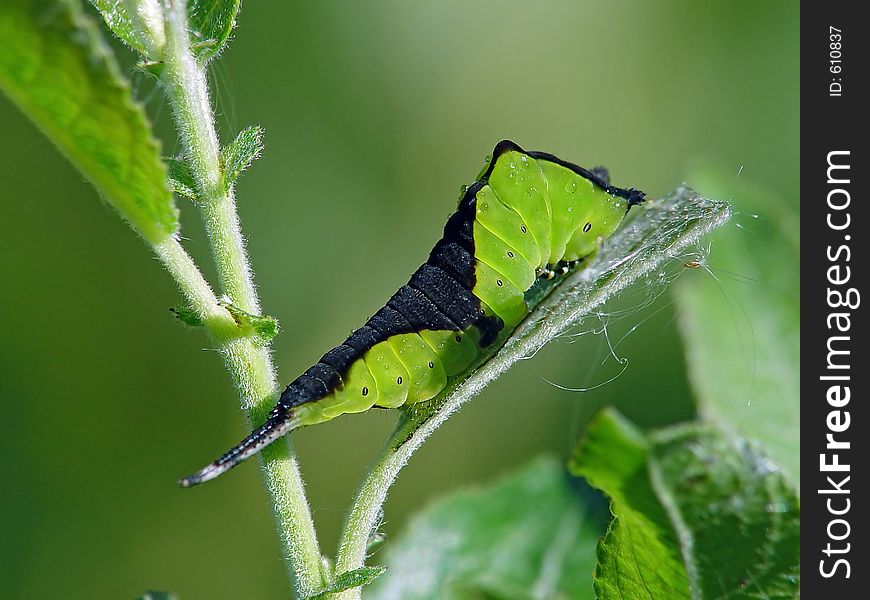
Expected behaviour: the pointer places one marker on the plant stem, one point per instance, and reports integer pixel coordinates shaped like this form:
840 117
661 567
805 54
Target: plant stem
654 237
249 363
195 289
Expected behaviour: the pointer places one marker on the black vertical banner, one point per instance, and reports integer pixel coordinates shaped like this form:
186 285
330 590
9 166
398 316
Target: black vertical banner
835 421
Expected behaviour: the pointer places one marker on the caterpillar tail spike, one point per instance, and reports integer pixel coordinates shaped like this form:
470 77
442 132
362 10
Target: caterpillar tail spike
529 217
274 428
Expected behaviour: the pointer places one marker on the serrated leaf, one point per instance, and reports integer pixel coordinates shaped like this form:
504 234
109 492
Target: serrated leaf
697 514
241 152
142 31
58 70
531 535
262 327
181 179
211 23
741 323
351 579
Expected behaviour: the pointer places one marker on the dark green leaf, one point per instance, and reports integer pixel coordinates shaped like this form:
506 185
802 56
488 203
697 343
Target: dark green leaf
241 152
181 179
56 67
211 23
529 536
741 323
350 580
696 514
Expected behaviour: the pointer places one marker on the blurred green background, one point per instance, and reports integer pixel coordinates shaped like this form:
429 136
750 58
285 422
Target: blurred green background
375 114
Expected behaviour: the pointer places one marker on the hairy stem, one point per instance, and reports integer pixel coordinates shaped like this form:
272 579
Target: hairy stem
249 363
195 289
653 237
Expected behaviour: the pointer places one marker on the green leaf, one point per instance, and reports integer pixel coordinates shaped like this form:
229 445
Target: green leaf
741 323
186 315
350 580
181 180
56 67
528 536
241 152
263 328
211 23
640 555
697 514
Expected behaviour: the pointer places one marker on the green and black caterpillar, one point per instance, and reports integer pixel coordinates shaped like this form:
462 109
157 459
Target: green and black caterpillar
529 219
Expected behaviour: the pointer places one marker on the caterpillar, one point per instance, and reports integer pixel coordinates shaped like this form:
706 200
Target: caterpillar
528 221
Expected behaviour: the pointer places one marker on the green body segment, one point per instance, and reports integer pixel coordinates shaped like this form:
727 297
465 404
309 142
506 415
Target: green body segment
358 394
456 350
425 370
392 378
534 216
498 294
503 257
507 224
404 369
519 184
